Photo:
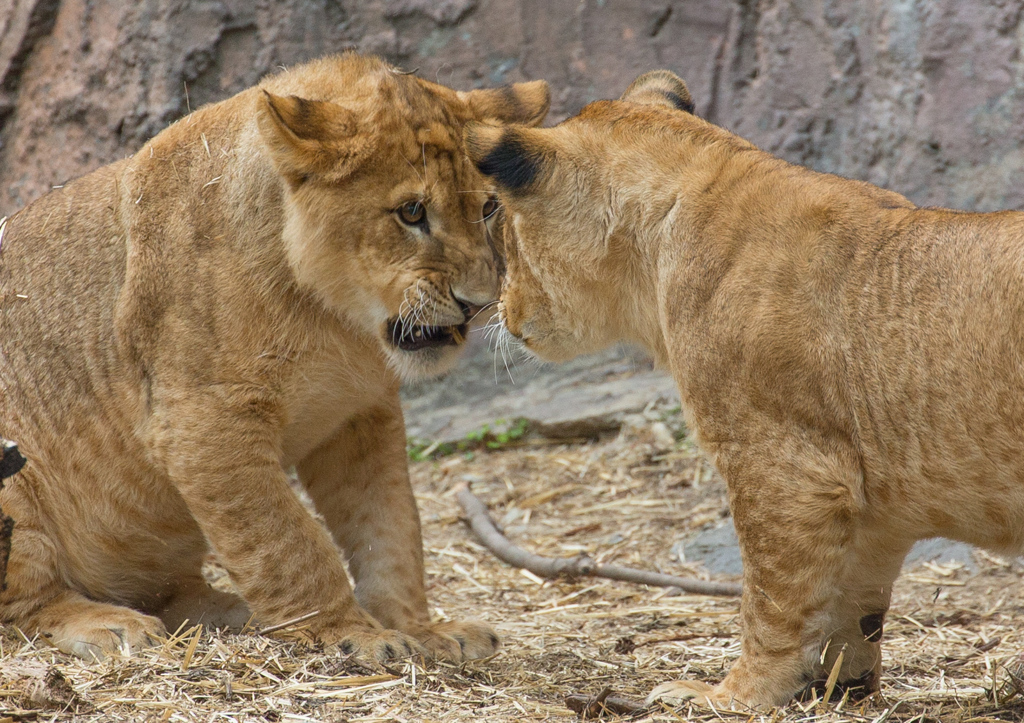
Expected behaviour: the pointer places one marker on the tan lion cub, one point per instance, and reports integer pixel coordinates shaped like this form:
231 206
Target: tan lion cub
854 364
181 327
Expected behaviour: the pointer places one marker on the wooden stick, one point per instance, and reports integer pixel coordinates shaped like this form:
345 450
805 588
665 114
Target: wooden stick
579 566
592 706
287 623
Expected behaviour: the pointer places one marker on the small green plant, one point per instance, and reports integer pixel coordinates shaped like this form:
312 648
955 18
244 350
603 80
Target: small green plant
507 432
673 419
493 435
423 449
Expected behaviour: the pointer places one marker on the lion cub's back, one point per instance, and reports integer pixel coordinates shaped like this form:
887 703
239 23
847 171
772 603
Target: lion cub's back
62 266
937 373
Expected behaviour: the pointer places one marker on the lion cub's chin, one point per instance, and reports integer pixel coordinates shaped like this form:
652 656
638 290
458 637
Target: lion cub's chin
423 363
554 347
551 353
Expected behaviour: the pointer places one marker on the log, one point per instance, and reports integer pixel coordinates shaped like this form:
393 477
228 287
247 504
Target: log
573 567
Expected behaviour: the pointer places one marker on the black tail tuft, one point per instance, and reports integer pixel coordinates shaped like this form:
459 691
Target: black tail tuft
11 460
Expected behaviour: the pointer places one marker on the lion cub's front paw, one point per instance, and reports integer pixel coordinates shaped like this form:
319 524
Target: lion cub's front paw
112 631
378 646
675 692
456 642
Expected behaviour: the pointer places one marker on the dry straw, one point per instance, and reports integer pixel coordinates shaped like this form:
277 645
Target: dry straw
952 642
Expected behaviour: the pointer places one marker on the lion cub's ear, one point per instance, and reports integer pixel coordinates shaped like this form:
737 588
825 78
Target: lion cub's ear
308 137
525 103
660 87
511 156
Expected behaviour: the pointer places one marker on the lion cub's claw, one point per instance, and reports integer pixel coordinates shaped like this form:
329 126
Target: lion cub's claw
379 646
457 642
675 692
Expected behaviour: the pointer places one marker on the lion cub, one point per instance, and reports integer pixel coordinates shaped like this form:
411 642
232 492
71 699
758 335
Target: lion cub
239 297
852 363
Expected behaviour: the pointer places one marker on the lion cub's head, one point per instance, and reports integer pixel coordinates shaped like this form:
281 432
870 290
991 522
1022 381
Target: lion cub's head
386 220
577 204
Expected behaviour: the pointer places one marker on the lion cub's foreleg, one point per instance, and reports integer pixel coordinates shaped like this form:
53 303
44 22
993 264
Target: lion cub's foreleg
195 602
815 586
359 482
222 452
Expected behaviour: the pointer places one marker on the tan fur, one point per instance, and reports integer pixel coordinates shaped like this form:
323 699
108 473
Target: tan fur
852 363
182 327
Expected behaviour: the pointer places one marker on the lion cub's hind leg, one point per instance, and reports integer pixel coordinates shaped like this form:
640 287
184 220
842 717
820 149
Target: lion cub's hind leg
795 508
93 631
196 602
39 602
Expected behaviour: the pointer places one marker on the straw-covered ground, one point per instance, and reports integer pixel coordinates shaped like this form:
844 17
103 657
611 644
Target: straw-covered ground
951 651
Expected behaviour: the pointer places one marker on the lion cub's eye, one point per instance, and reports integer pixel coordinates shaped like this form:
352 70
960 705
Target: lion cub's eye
490 207
412 213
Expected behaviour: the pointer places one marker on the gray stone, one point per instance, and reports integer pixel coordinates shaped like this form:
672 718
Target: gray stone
924 98
84 83
940 550
582 399
442 12
718 550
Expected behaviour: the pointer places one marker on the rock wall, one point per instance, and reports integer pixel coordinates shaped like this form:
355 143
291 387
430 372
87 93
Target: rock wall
925 97
922 96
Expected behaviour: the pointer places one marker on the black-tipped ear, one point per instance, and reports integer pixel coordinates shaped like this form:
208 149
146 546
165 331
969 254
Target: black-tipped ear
504 154
660 87
525 103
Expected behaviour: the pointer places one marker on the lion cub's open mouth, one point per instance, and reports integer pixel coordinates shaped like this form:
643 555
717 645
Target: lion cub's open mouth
416 338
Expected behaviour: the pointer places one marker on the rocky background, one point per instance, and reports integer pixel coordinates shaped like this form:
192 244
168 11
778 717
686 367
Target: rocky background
922 96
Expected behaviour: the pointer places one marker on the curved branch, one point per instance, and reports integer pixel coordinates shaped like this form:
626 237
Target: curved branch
579 566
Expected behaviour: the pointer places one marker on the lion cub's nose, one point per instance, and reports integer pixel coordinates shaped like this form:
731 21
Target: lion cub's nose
468 310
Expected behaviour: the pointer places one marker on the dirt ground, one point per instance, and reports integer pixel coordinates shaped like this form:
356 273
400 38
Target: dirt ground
952 650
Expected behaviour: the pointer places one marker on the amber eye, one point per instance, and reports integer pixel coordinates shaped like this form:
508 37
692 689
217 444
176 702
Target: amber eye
490 208
412 213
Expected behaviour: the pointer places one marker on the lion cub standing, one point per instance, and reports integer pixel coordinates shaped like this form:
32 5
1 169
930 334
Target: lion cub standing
181 327
853 363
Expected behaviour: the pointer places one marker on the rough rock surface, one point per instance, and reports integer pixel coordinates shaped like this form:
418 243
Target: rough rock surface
582 399
926 98
85 82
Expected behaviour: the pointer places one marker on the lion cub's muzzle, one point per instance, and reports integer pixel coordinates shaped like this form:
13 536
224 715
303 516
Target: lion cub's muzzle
417 337
413 336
